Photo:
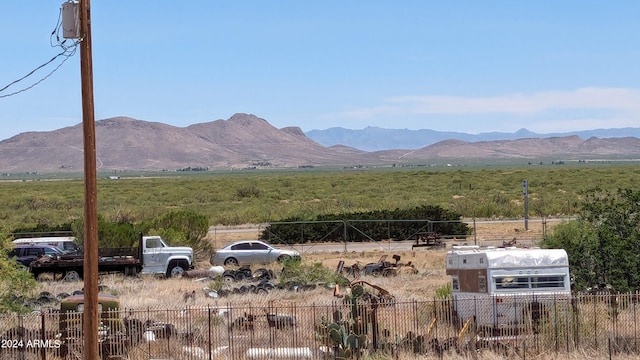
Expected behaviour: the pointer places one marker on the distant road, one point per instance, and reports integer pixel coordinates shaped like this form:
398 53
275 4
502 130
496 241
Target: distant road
517 221
355 247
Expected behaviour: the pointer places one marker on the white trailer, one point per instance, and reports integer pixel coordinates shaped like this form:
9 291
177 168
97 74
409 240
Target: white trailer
501 288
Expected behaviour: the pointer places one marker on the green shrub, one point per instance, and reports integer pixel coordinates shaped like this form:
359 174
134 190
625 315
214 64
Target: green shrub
444 291
300 273
16 282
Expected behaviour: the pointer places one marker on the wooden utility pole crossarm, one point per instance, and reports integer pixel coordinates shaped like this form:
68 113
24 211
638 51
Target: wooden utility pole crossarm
90 316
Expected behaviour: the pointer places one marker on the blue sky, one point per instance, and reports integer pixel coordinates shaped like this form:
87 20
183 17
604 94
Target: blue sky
468 66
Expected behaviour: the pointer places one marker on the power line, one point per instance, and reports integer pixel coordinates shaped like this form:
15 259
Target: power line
67 51
33 71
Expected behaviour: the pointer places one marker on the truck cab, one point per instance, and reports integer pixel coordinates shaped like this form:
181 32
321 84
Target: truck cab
159 258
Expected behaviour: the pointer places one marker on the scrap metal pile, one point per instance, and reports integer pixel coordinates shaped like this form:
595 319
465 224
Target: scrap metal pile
380 268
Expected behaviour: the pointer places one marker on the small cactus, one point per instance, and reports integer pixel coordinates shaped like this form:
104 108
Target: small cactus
345 344
347 335
357 291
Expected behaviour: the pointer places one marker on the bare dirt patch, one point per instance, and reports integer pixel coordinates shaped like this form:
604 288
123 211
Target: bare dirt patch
151 291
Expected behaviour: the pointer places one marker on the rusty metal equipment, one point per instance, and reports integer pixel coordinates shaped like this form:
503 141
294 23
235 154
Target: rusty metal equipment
429 239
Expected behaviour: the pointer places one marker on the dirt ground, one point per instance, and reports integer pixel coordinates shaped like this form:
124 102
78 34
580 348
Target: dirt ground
149 291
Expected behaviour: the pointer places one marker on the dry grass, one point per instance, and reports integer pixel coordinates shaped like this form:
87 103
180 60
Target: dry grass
578 355
150 292
154 292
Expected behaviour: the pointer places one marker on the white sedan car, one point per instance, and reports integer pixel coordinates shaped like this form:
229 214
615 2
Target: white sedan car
248 252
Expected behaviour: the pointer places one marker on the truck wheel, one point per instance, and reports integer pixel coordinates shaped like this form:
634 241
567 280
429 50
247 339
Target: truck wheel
175 270
130 271
71 275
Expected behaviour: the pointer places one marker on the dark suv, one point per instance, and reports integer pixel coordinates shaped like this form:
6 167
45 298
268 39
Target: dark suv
27 253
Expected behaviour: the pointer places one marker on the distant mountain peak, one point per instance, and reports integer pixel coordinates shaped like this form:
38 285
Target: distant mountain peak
245 118
245 141
376 139
524 131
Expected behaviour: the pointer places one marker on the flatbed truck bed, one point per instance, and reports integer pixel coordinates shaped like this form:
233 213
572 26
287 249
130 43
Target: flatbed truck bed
70 266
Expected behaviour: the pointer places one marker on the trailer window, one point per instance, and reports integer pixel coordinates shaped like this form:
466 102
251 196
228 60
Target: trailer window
455 284
512 282
482 284
554 281
527 282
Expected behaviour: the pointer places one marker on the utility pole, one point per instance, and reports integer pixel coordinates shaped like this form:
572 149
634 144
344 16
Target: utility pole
525 194
90 315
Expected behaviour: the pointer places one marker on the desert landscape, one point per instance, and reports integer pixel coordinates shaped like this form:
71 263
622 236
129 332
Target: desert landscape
241 321
148 291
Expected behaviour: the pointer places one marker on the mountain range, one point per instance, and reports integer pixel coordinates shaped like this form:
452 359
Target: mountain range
376 138
246 141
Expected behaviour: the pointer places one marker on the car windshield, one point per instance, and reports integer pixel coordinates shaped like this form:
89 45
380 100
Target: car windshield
53 251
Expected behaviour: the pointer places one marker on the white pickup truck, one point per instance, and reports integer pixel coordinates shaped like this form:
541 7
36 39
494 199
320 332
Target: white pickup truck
152 256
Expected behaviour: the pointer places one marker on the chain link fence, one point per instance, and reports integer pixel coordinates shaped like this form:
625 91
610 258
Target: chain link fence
484 232
362 329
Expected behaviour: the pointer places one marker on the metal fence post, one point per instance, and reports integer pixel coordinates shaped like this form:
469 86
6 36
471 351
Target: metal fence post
475 232
634 299
209 331
555 321
595 323
43 336
345 235
230 330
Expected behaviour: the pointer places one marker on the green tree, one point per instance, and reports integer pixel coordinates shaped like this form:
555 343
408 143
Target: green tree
119 233
16 282
580 243
604 242
182 227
